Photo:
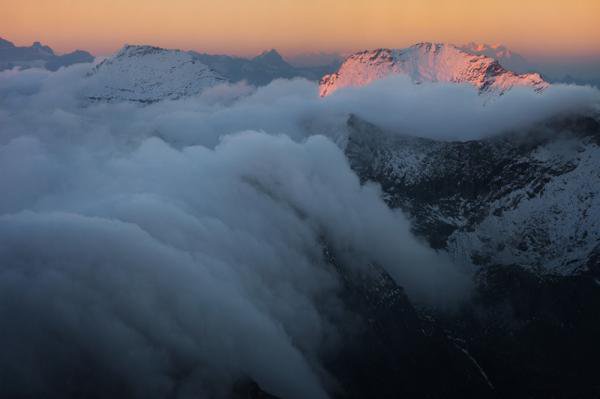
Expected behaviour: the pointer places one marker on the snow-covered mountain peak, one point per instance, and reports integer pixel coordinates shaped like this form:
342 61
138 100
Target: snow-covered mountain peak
148 74
428 62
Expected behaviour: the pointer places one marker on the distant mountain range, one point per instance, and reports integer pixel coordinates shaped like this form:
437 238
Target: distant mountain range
491 68
270 65
38 56
148 74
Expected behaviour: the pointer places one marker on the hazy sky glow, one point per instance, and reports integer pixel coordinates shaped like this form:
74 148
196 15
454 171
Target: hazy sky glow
537 27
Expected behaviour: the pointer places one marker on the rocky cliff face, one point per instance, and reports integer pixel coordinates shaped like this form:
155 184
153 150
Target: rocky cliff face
428 62
529 199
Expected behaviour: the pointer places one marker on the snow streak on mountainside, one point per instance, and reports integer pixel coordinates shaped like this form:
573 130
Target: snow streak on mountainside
428 62
148 74
530 200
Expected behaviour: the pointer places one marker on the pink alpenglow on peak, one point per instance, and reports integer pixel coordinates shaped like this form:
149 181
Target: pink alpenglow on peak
428 62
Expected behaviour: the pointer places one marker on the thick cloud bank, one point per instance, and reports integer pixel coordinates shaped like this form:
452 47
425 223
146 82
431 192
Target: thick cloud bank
447 111
173 249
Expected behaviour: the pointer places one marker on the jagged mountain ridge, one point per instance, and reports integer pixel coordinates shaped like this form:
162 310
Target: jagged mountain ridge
38 56
147 74
262 69
428 62
524 199
259 71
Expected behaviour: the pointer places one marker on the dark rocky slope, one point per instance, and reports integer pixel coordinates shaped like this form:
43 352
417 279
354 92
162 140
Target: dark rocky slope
527 206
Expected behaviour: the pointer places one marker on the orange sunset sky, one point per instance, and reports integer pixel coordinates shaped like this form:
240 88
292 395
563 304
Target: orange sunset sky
245 27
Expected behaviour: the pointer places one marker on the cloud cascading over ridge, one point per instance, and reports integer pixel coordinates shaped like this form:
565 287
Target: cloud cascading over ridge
176 248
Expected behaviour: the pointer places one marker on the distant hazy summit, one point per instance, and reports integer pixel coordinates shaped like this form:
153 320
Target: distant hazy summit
38 56
262 69
429 62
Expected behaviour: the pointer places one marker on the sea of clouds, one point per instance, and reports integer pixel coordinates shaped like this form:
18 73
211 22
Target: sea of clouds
171 250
